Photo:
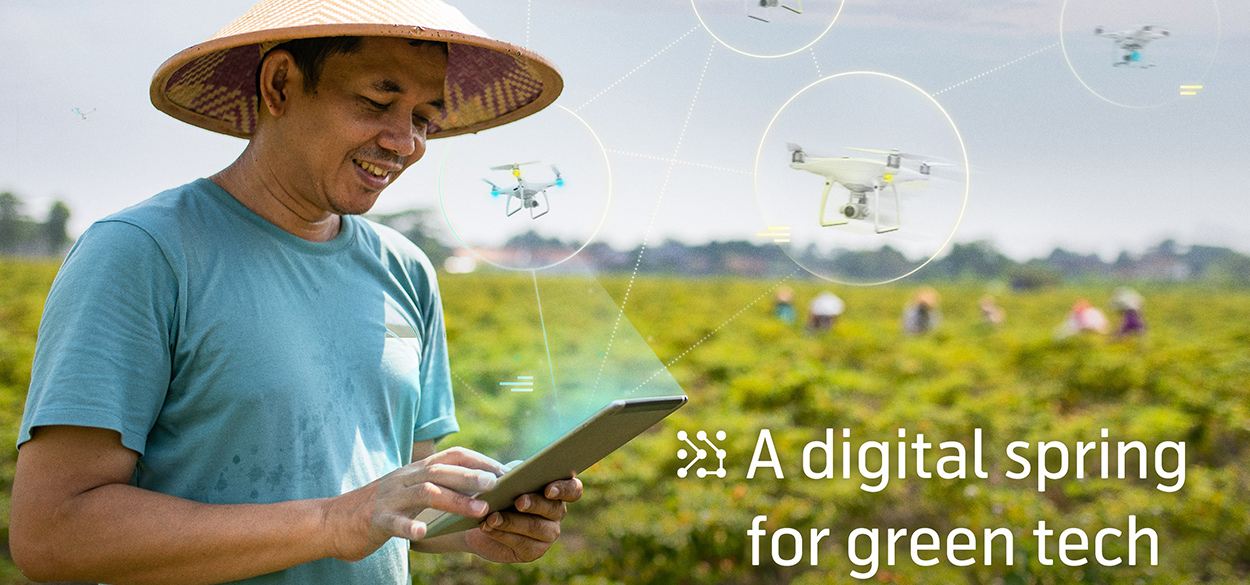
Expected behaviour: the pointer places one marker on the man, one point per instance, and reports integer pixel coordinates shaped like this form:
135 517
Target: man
225 371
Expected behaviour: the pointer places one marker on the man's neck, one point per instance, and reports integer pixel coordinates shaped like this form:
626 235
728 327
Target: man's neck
260 189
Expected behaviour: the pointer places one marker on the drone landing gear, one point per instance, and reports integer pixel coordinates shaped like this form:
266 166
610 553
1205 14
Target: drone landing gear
768 5
824 198
876 217
528 201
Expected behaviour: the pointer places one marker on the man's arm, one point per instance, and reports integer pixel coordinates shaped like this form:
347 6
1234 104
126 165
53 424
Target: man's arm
75 517
509 537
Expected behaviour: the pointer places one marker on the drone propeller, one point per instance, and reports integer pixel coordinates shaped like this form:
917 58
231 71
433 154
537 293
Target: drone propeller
513 166
559 179
931 160
494 189
794 148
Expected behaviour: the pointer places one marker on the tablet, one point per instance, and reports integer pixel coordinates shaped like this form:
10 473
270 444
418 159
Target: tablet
599 436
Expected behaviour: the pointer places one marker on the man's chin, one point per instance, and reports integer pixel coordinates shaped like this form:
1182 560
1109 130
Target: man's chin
358 205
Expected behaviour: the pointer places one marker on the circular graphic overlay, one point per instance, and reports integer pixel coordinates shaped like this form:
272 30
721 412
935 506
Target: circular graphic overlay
1139 53
767 29
527 195
886 161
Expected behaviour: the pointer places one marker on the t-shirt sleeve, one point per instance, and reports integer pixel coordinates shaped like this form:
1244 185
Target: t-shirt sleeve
102 358
436 414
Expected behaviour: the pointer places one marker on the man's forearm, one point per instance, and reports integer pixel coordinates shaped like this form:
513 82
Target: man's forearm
122 534
76 518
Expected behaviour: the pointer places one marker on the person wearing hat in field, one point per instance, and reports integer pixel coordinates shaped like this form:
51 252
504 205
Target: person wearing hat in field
240 378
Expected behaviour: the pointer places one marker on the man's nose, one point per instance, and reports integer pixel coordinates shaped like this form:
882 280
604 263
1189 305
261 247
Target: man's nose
401 135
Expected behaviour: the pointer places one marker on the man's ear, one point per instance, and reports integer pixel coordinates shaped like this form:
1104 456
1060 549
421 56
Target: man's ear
278 77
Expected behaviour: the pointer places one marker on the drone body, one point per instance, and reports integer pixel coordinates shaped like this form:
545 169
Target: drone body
865 181
525 194
762 10
1131 42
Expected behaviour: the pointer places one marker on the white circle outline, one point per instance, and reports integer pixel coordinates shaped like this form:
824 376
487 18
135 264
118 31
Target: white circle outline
707 28
1064 48
755 179
607 204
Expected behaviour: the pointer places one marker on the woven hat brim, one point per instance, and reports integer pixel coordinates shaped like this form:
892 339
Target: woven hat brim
489 82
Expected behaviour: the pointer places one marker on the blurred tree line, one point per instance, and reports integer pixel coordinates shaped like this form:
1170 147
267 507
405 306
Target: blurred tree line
21 235
978 260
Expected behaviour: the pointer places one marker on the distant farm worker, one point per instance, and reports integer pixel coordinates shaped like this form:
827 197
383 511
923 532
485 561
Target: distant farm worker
216 393
783 306
1129 304
823 311
992 314
1083 318
922 314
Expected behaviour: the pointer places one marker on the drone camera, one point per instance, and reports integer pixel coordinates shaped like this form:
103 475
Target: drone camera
855 211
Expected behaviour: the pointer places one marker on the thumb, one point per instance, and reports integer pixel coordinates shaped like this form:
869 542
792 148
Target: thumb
402 526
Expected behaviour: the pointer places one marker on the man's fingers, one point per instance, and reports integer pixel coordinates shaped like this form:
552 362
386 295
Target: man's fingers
528 526
410 500
518 548
469 458
462 479
565 490
540 506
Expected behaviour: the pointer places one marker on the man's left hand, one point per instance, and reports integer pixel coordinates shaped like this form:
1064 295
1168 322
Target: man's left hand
524 534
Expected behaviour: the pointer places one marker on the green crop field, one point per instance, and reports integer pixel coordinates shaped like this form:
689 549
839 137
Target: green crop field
1187 379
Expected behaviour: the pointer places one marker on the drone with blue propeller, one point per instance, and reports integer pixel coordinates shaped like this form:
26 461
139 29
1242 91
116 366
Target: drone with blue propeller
526 193
1131 42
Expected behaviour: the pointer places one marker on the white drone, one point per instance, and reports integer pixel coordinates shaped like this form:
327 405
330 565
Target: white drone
1131 42
762 10
525 192
863 177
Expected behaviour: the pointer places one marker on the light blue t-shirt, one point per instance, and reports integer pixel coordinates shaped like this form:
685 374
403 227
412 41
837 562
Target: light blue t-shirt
244 364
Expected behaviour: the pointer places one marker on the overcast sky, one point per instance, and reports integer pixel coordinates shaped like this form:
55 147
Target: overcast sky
672 100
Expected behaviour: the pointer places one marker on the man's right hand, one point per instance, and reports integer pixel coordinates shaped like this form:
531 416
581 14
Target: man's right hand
363 520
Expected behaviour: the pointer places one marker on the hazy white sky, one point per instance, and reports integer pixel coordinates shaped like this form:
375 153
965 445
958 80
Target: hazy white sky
1052 162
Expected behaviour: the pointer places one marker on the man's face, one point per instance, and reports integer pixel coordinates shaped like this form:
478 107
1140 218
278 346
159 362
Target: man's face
345 142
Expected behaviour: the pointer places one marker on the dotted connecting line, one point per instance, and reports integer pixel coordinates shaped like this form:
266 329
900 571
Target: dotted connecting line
635 69
471 389
718 328
655 212
1004 65
817 63
680 162
528 5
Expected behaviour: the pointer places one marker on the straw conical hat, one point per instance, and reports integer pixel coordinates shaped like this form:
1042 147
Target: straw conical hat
213 84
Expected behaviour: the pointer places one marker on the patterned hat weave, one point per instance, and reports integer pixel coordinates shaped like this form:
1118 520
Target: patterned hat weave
213 85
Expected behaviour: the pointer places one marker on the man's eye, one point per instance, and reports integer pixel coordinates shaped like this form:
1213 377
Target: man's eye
374 105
